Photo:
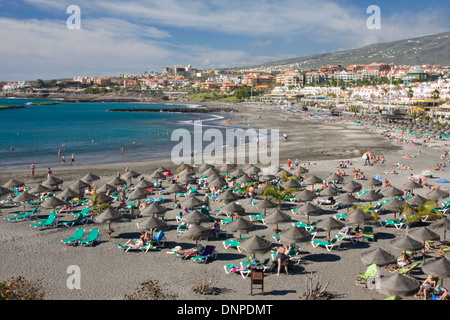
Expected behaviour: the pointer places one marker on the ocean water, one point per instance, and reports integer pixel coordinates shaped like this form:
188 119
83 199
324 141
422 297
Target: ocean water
89 131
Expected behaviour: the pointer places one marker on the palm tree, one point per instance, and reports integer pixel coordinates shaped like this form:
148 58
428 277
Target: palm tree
98 206
278 193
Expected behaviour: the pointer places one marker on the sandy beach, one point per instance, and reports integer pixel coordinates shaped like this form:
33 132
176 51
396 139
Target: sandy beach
319 144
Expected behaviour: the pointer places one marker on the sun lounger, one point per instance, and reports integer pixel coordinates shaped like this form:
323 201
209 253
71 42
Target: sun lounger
73 240
362 278
27 215
232 268
368 233
209 252
145 248
329 245
94 235
395 223
259 217
81 219
232 243
50 222
159 239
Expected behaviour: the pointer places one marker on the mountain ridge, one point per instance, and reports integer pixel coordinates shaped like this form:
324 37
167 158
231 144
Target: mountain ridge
430 49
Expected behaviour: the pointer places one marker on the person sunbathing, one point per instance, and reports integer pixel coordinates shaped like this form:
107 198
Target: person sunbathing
143 239
427 286
403 260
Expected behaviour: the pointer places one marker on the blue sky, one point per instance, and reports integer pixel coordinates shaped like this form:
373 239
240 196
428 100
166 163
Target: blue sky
134 36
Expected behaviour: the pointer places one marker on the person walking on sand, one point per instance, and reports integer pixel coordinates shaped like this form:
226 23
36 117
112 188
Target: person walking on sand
63 160
32 171
49 173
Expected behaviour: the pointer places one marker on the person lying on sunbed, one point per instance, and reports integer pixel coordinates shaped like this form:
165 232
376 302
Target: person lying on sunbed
143 239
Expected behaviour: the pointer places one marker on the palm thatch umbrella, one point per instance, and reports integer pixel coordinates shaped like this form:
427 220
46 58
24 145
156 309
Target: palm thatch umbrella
295 234
310 209
244 179
352 186
334 177
183 166
283 174
371 196
131 174
108 216
107 187
13 183
416 200
255 245
4 191
68 194
411 185
329 191
398 284
392 192
187 172
175 188
406 243
266 177
90 177
228 196
359 217
372 182
423 234
52 203
277 217
237 173
232 208
23 198
311 181
437 194
205 167
117 182
346 199
227 167
252 170
300 170
329 224
211 171
79 184
52 181
152 209
192 202
138 194
37 189
195 217
196 232
377 256
395 205
157 175
151 224
240 225
291 184
438 267
144 184
265 204
304 195
186 179
443 223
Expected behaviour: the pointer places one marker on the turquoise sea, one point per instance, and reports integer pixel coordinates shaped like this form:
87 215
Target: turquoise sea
87 130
